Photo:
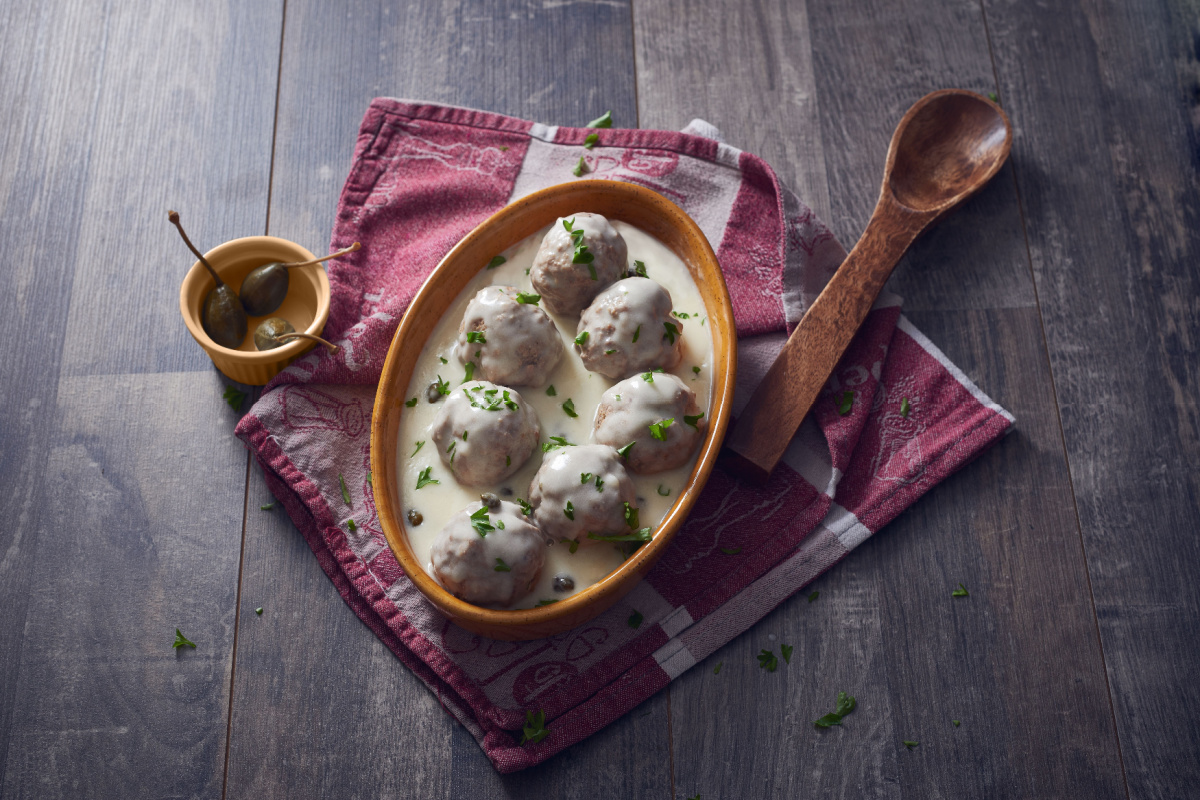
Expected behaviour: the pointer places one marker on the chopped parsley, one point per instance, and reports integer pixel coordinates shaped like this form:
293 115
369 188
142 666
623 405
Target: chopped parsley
648 377
624 451
443 360
731 551
345 494
845 402
609 352
580 168
258 611
672 331
717 668
443 387
603 121
410 403
266 507
235 399
470 372
417 449
992 96
637 332
659 429
481 522
956 722
526 509
696 370
639 269
581 254
371 475
496 261
508 461
528 298
845 704
692 419
546 602
961 591
663 491
582 338
635 620
631 516
551 391
352 525
599 484
640 535
555 442
569 511
904 407
584 477
501 566
476 337
424 480
572 544
786 650
909 744
450 450
569 408
182 641
590 141
813 596
535 724
768 661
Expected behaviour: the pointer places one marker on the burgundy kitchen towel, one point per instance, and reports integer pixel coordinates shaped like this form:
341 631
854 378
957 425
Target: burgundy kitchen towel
423 176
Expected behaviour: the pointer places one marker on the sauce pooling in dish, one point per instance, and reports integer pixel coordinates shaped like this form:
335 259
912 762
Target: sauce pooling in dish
563 406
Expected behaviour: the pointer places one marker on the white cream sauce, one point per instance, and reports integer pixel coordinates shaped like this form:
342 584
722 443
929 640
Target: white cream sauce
437 503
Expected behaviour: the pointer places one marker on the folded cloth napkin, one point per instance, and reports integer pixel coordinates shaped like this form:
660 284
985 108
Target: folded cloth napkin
896 417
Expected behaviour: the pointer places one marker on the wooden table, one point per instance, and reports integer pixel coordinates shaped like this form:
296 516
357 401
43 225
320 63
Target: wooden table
1068 290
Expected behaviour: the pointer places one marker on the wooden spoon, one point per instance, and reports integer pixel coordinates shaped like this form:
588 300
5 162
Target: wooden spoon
948 145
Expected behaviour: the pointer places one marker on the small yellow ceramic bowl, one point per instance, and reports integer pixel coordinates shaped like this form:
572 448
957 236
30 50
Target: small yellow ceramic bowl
623 201
306 306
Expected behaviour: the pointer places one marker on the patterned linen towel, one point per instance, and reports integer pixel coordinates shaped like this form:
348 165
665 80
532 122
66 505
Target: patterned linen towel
423 176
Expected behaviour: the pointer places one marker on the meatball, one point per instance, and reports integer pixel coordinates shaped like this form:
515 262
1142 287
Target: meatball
628 328
516 344
653 414
484 432
580 256
583 489
488 555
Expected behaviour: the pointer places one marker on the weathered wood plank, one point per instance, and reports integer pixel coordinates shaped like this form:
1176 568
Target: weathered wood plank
115 112
879 629
1103 96
314 679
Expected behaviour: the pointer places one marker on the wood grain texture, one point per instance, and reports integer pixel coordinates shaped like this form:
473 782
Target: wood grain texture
1107 169
559 63
96 568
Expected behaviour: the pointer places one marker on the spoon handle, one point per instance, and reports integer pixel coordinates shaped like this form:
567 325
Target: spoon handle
765 427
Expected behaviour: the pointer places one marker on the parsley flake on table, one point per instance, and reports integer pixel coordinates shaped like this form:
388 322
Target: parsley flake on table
495 262
555 442
234 398
813 596
635 620
528 298
692 419
258 611
672 331
717 668
731 551
909 744
602 121
476 337
786 650
845 704
424 480
637 332
345 494
956 722
482 523
590 141
569 408
623 452
768 661
569 511
659 429
410 403
501 566
845 402
639 269
662 493
992 96
417 449
182 641
641 535
551 391
631 516
352 525
535 724
266 507
961 591
904 407
580 168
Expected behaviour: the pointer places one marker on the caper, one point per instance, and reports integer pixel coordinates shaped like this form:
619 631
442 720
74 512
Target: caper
222 315
433 393
490 500
506 491
264 289
268 329
563 583
414 517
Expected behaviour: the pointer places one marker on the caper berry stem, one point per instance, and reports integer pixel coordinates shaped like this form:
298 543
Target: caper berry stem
174 217
287 337
310 262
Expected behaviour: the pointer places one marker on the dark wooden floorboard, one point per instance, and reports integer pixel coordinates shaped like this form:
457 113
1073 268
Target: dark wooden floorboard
314 680
124 488
1103 98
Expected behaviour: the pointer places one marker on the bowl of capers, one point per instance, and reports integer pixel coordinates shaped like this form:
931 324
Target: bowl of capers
255 304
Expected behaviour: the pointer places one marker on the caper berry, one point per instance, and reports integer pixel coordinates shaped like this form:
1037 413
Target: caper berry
268 329
490 500
222 315
265 288
563 583
414 517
